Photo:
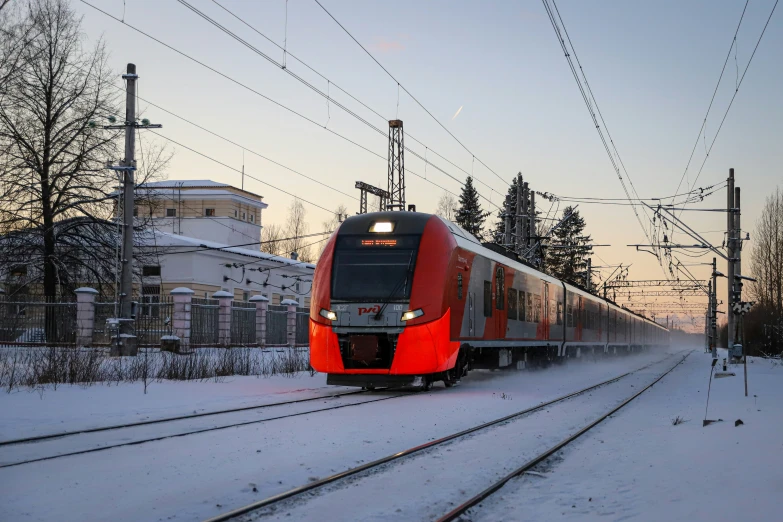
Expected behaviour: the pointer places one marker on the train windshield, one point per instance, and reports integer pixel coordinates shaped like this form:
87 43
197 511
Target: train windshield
372 268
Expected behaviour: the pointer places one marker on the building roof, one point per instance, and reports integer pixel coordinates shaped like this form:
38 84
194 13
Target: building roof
192 184
167 239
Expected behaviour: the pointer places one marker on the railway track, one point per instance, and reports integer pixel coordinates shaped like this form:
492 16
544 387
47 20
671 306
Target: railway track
460 510
32 449
271 503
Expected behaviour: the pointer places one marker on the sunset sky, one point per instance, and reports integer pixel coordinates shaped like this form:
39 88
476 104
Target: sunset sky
494 75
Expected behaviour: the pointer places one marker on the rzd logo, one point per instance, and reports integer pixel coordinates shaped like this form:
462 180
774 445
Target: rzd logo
372 310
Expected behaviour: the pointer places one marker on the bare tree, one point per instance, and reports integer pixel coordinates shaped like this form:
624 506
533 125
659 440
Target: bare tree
447 205
766 261
331 225
55 195
271 243
295 228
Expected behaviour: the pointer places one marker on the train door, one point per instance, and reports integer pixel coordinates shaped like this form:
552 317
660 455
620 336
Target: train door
471 314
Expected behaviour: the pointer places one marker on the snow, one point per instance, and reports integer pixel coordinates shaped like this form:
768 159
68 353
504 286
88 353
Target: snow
644 469
639 466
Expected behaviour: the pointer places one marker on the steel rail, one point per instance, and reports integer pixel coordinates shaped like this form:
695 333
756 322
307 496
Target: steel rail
461 509
399 455
166 419
193 432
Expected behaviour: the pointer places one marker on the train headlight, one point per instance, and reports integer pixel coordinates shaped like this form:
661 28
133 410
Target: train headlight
411 314
382 226
328 314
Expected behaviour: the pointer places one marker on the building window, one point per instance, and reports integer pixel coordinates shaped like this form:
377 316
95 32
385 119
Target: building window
150 270
252 218
209 212
243 216
236 213
150 299
171 212
459 286
245 296
19 270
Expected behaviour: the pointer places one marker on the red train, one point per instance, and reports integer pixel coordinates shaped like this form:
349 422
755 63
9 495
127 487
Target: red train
406 299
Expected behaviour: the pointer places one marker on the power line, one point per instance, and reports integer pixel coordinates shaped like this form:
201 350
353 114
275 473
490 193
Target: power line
400 86
587 95
237 82
331 83
709 108
736 90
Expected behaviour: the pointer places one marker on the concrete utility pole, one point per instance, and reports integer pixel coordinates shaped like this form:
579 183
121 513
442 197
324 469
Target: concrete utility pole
531 216
518 217
524 236
714 310
588 278
730 255
736 354
126 343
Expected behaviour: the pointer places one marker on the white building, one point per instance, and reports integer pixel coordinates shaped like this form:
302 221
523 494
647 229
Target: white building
208 237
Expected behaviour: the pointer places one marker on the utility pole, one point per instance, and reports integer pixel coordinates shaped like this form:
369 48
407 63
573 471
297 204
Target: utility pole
396 183
507 225
589 279
730 255
524 238
518 235
734 353
125 341
714 310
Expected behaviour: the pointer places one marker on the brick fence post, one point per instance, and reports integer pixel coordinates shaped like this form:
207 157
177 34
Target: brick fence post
262 305
224 316
85 315
181 317
290 331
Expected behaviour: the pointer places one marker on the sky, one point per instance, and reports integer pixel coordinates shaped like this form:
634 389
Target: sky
493 74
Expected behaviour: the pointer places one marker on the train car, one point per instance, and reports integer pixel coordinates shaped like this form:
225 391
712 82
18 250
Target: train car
407 299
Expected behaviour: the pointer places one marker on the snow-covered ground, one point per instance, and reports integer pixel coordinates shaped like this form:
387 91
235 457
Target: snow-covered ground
198 476
638 465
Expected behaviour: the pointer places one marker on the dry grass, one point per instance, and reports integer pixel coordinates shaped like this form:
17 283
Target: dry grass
51 367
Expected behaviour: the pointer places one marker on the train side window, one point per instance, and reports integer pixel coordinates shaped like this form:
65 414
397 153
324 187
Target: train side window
500 292
521 309
569 315
559 318
537 308
459 286
512 304
487 298
531 314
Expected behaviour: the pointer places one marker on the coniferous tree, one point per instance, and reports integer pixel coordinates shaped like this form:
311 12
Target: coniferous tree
568 250
469 215
509 202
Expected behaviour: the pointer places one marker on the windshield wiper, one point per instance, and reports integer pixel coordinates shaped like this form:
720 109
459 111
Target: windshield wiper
402 281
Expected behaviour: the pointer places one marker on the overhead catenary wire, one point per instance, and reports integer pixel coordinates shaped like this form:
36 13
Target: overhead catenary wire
254 91
587 96
401 86
331 83
315 89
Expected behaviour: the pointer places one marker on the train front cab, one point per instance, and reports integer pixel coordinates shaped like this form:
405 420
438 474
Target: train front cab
379 314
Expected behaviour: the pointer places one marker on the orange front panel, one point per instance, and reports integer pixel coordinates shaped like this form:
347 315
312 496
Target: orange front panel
324 349
425 348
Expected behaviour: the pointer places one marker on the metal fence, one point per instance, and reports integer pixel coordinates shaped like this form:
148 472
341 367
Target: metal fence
204 322
243 323
40 322
276 318
302 325
153 321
